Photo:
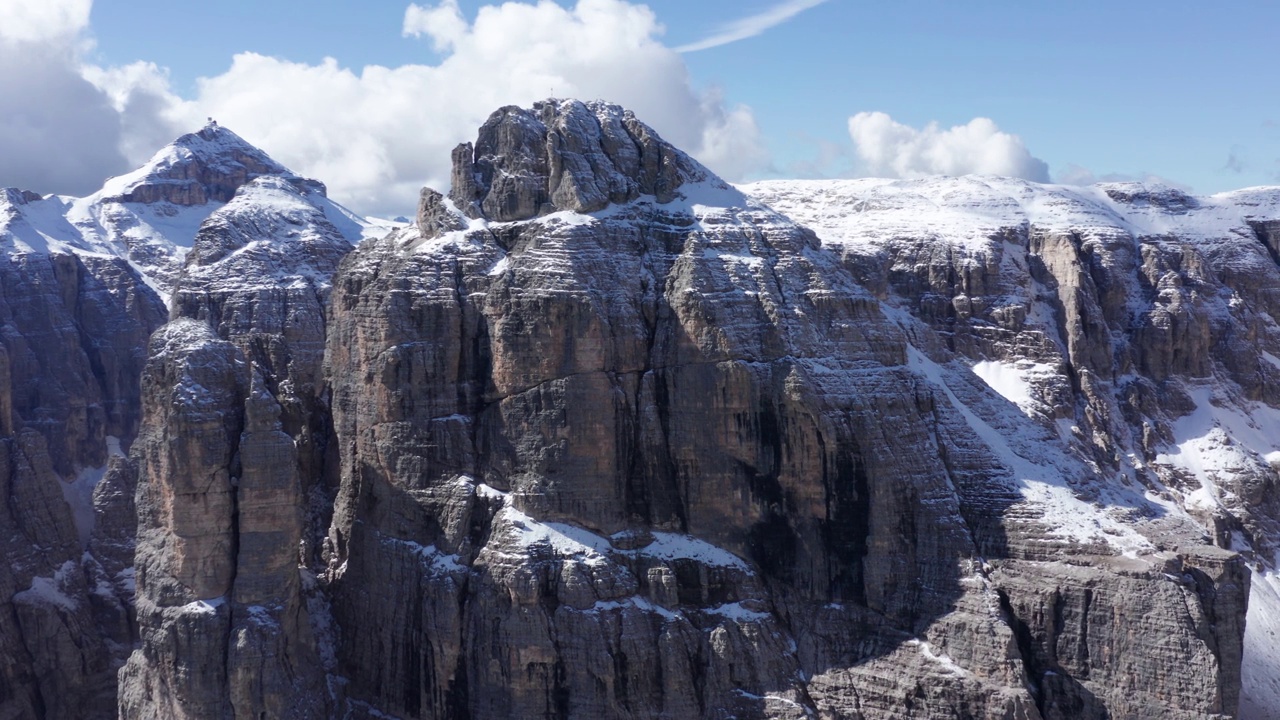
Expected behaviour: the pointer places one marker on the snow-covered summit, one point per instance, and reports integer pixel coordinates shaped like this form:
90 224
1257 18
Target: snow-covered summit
150 217
208 165
972 210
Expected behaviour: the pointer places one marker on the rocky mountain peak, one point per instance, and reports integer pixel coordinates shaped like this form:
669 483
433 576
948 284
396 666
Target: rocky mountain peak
563 155
16 196
205 166
1154 195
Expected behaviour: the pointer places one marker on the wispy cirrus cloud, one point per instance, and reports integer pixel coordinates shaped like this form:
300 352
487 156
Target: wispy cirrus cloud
752 25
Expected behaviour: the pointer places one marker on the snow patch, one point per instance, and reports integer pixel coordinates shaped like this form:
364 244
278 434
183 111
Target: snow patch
1041 482
673 546
1218 441
1260 669
79 496
499 267
490 492
941 658
49 590
638 603
572 541
565 540
204 607
972 211
735 611
1012 380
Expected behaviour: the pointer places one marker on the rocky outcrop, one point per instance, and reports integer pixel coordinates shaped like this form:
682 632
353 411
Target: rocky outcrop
199 168
576 157
678 435
72 331
1141 318
79 301
232 487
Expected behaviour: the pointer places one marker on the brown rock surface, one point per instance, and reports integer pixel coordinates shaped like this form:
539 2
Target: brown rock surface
600 437
520 408
232 480
72 337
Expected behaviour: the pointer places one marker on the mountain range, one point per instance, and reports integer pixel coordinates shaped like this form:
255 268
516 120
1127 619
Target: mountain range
599 435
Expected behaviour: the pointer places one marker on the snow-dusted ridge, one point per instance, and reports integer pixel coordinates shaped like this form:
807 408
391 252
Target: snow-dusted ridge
970 210
150 217
1202 269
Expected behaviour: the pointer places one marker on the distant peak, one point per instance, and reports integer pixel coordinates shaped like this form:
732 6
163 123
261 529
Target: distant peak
215 143
1153 194
207 165
18 196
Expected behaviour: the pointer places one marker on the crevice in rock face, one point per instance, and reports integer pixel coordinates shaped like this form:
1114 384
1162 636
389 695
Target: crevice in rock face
1026 650
666 469
847 523
1084 633
1268 233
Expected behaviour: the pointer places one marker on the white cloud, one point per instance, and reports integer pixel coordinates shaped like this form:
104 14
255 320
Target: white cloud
58 133
751 26
376 135
34 21
891 149
444 23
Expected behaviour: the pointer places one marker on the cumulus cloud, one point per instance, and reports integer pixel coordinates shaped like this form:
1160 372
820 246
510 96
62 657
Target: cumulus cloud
376 135
34 21
58 132
751 26
443 23
890 149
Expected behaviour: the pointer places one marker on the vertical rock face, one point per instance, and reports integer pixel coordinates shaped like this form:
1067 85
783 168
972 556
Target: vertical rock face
572 156
1139 318
622 443
73 331
600 436
84 283
231 458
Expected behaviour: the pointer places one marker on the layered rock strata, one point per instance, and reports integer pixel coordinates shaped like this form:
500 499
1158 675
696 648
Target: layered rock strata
627 444
84 284
1140 320
231 461
73 332
599 436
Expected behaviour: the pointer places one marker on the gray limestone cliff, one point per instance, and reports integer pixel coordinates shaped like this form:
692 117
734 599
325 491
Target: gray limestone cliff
83 284
1139 320
616 441
232 487
73 333
600 436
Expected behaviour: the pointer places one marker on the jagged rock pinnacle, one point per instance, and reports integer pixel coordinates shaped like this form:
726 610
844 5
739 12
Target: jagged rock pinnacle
565 155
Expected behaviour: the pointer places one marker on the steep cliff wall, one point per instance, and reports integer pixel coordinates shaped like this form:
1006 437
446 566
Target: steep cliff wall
73 331
667 456
82 286
231 459
1140 320
600 436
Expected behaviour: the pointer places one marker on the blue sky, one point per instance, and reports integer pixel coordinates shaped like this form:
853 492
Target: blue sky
1181 91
